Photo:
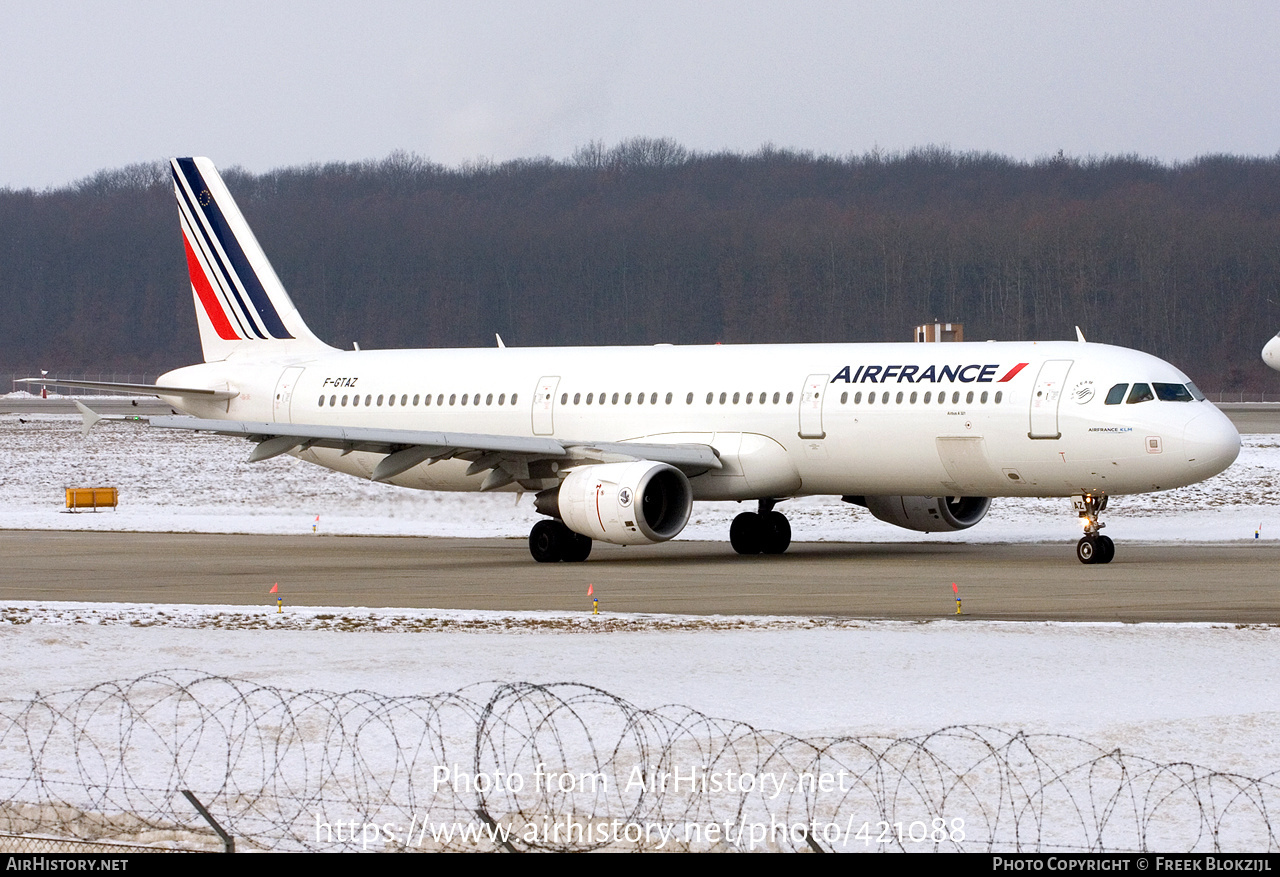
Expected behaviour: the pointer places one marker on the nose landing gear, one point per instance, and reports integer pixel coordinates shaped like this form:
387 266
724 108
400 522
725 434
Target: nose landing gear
1093 547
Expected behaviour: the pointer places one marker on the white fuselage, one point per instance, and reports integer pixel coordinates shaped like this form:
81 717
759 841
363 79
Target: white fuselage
786 420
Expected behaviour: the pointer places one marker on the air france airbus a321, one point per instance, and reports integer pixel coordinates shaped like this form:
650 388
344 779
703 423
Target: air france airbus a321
617 443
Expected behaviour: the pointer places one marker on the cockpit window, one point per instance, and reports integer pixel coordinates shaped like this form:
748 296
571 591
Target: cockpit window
1116 396
1172 393
1140 393
1195 391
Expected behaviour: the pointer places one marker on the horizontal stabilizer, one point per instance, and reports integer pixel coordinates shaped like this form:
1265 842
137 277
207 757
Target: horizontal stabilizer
137 389
90 416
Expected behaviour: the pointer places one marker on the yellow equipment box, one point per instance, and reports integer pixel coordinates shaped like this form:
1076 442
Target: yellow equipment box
92 498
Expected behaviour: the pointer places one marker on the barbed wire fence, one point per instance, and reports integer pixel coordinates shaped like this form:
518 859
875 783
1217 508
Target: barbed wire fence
520 766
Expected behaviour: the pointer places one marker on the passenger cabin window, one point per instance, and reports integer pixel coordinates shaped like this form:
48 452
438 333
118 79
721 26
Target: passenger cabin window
1140 393
1116 394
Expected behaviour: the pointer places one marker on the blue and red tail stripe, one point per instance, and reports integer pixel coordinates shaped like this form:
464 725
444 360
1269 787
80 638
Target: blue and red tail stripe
225 282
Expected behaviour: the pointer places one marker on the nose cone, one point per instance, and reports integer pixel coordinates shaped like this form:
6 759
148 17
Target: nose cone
1211 442
1271 353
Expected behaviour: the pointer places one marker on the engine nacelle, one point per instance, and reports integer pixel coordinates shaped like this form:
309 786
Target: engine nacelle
624 503
928 514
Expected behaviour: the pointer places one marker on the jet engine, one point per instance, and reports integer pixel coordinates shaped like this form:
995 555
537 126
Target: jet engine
623 503
928 514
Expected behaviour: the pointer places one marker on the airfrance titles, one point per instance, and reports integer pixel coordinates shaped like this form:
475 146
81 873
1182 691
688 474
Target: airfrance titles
914 374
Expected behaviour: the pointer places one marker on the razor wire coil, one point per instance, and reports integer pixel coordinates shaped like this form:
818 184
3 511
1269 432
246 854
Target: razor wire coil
567 766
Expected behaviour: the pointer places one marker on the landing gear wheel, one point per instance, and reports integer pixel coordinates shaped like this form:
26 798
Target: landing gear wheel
577 548
1093 547
775 533
745 532
547 541
1106 549
552 541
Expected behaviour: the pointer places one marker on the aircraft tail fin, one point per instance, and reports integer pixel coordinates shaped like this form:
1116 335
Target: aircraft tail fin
241 305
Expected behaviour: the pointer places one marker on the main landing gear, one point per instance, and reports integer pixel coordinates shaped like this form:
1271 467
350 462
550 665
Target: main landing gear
551 541
762 532
1093 547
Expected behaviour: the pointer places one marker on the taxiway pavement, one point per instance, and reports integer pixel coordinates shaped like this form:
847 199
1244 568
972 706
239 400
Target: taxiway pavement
1224 582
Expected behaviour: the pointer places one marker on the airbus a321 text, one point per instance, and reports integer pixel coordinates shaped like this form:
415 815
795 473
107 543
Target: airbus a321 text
617 443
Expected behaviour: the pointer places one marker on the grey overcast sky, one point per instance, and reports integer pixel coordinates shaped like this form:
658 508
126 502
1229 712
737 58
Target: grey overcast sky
265 84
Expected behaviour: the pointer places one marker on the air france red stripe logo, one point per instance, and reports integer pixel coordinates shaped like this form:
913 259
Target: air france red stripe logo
970 373
1013 371
208 298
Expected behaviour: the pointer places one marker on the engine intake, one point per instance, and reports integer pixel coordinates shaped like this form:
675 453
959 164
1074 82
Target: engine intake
928 514
622 503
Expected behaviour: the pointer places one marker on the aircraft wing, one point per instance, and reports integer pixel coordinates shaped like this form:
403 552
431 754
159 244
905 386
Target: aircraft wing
507 458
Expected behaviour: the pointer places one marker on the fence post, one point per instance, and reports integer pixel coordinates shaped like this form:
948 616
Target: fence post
228 842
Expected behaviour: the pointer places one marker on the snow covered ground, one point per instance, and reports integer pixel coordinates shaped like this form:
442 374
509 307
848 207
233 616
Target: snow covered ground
1208 694
178 482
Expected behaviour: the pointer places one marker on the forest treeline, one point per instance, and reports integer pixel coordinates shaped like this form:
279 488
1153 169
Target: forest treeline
647 242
